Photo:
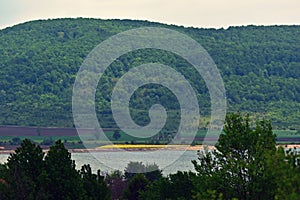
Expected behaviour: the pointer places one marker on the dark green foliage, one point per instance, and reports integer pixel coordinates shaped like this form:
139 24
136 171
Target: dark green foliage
24 174
40 59
285 168
64 179
93 184
175 186
4 188
159 189
139 176
238 168
136 185
28 175
181 185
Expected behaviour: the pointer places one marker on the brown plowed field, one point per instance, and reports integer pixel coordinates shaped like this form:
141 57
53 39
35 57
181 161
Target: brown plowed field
34 131
56 131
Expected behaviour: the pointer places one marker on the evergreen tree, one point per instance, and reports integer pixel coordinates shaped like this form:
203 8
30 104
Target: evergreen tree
25 172
64 180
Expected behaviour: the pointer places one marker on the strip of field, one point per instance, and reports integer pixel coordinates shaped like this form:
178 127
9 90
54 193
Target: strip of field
144 147
39 134
139 147
149 147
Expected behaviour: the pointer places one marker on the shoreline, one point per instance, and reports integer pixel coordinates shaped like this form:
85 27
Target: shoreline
116 148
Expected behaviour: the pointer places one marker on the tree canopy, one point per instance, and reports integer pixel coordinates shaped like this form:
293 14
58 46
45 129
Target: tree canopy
245 165
28 174
242 166
40 59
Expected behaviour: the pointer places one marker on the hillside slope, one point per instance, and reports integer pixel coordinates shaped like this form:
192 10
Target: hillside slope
39 61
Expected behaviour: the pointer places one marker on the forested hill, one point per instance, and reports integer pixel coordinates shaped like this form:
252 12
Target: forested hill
39 60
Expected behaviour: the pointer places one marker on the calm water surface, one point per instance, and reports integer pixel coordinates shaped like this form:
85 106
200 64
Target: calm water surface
170 161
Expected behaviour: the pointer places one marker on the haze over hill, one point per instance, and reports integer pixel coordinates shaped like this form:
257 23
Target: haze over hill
39 60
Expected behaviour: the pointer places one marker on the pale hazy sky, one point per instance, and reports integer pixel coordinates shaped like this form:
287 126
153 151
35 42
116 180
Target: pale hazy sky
197 13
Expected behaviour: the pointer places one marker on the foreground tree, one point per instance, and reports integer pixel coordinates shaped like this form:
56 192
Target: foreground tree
136 185
93 184
29 174
116 183
175 186
285 168
238 167
64 181
138 176
24 172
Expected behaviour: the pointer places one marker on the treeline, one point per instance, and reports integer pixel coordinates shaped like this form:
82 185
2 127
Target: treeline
40 59
43 141
245 165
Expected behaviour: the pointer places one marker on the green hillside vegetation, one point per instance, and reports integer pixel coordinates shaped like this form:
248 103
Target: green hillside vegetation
39 61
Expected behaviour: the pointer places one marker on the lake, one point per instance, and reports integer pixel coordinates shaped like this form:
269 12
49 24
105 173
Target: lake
170 161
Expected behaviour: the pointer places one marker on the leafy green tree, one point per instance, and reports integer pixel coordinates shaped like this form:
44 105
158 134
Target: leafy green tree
238 166
285 168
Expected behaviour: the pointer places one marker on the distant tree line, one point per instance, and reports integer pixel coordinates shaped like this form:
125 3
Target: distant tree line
43 141
246 165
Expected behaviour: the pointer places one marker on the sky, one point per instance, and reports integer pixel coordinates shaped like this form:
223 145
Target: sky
196 13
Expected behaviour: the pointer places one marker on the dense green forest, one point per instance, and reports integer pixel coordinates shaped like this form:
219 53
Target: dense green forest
39 60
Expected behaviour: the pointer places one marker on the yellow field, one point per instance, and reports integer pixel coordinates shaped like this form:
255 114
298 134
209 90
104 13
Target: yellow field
140 146
146 147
